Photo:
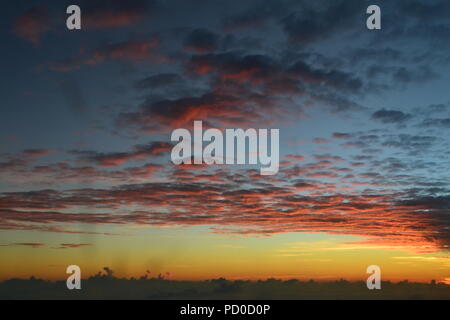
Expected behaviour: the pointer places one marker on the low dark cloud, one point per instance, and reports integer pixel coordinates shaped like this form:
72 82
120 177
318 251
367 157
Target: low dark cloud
310 24
158 80
201 41
424 10
421 74
256 15
391 116
342 135
114 159
438 123
334 78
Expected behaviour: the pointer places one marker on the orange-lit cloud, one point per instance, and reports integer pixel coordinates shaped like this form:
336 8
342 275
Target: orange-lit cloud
384 219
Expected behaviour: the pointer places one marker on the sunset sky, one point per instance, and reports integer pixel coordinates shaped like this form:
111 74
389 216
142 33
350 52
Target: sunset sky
364 116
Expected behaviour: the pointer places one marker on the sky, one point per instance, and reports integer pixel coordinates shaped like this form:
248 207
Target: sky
86 176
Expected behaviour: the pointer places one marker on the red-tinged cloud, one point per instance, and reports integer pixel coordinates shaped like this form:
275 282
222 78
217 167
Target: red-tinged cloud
128 51
13 164
33 24
274 76
229 66
23 160
64 173
51 229
37 152
246 90
73 245
216 109
322 174
88 167
115 13
294 158
237 204
61 173
110 19
25 244
321 141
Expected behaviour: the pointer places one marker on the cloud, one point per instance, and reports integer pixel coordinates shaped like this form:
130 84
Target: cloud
320 141
272 83
73 245
33 245
413 143
13 164
234 66
262 69
113 13
260 84
238 204
114 159
256 15
177 113
309 24
322 174
334 78
201 41
96 14
391 116
37 152
33 24
295 157
439 123
423 10
158 81
127 51
341 135
421 74
61 173
22 160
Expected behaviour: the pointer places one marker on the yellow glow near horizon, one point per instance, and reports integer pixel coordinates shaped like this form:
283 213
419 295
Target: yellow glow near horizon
189 254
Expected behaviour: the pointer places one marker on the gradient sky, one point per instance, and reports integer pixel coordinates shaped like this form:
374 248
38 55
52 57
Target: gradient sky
364 119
